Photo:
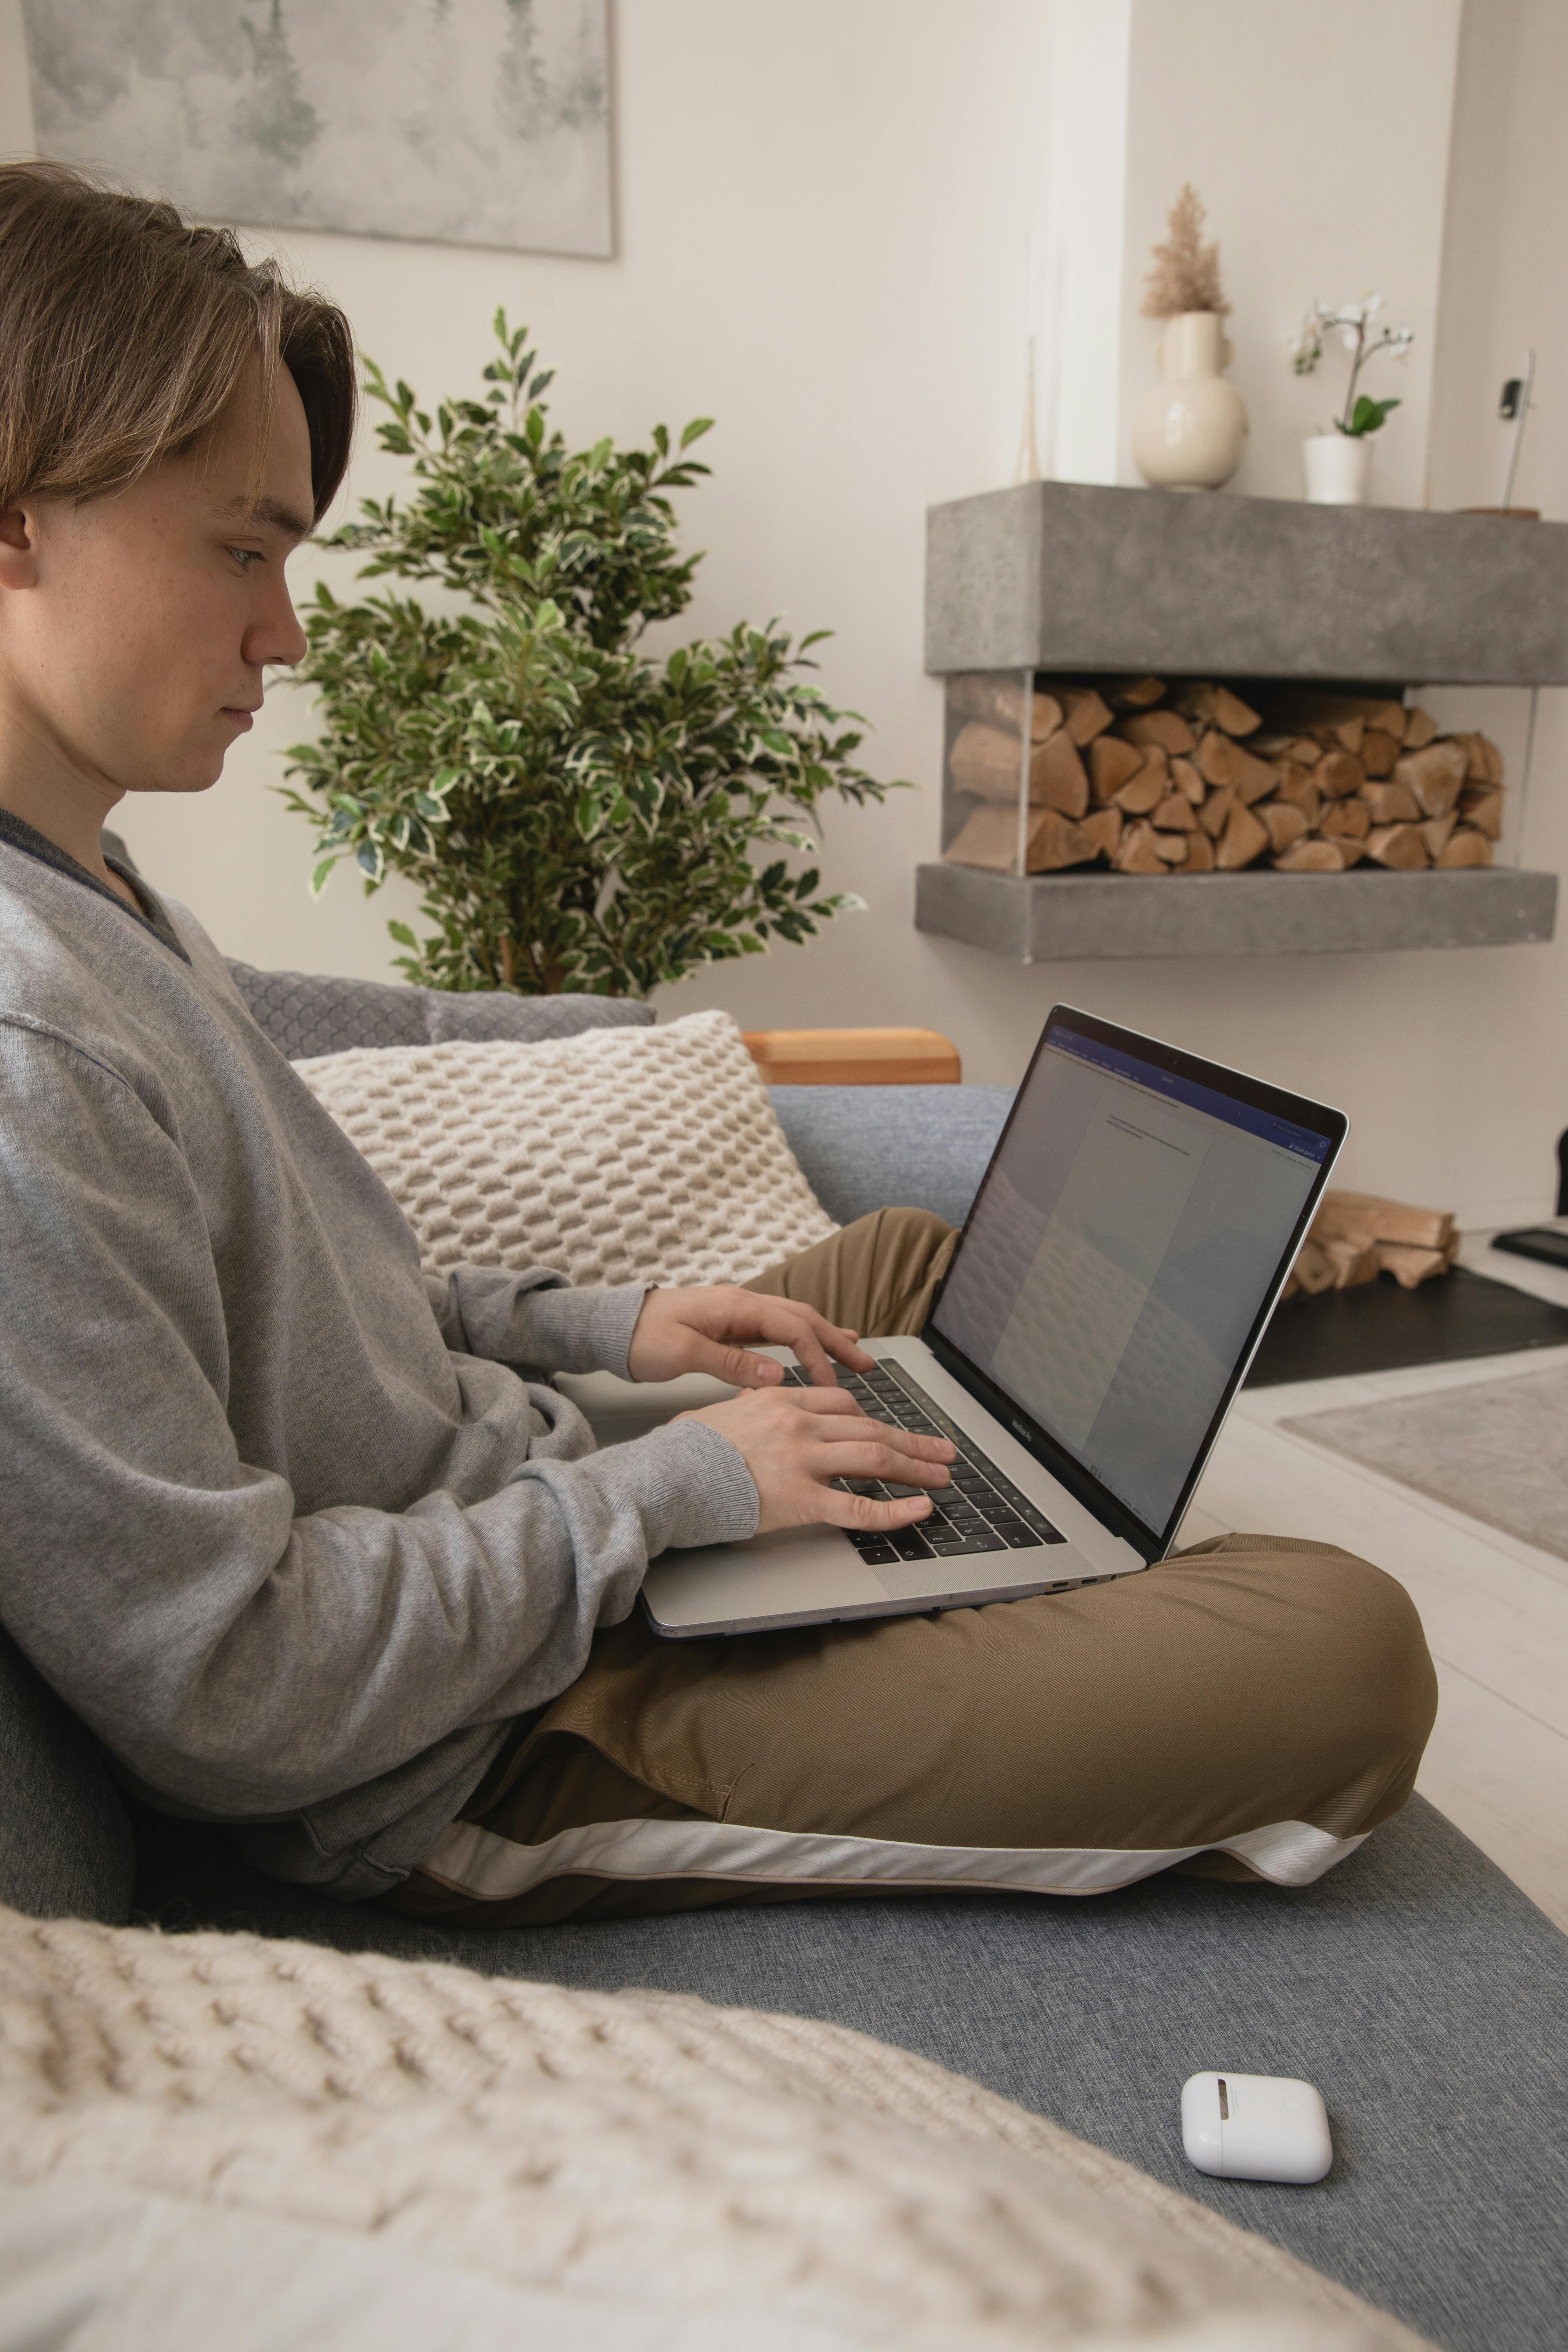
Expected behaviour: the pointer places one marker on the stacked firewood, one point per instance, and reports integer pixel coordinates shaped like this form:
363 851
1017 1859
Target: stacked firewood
1191 779
1354 1237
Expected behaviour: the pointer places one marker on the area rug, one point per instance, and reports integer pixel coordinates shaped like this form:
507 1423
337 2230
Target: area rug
1499 1451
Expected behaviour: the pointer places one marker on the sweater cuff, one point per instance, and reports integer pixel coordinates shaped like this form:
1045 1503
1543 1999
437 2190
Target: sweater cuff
688 1484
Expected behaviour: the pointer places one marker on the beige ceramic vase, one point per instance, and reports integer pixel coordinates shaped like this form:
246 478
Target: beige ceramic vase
1191 427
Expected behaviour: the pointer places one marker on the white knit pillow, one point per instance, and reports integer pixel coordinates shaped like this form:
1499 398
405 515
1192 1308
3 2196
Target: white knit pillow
622 1155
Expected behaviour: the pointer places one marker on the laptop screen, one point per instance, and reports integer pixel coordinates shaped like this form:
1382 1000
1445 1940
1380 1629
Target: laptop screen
1131 1225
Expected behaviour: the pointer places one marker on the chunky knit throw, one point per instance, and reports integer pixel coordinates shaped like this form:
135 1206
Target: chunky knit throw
626 1155
665 2173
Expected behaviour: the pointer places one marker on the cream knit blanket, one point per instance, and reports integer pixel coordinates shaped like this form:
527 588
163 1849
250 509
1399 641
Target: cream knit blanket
624 1155
210 2139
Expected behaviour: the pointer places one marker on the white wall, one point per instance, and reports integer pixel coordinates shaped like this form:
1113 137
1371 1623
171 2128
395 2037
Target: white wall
825 224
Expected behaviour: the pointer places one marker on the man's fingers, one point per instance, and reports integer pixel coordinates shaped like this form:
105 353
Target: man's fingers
816 1342
868 1514
853 1459
904 1441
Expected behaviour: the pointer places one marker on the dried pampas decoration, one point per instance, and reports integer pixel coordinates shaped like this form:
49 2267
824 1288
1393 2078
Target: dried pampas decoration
1185 276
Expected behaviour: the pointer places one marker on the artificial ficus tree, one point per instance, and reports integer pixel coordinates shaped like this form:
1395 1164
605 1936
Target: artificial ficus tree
576 813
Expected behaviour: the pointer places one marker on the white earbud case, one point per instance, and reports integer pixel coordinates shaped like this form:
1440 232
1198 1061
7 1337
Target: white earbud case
1256 2127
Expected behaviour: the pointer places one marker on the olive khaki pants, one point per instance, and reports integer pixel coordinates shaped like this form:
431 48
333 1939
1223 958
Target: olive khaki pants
1249 1708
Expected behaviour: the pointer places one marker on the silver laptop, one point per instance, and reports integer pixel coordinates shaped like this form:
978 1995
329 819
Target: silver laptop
1134 1228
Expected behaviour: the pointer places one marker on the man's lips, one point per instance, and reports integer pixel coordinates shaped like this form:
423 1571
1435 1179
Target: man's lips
242 713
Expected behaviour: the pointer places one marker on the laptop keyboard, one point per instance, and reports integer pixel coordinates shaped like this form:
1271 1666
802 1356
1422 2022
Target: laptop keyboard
980 1511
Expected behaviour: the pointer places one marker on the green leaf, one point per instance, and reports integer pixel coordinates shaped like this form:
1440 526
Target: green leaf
695 430
403 935
319 875
1368 416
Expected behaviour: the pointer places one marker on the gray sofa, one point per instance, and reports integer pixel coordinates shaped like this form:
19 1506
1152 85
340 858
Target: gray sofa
1415 1985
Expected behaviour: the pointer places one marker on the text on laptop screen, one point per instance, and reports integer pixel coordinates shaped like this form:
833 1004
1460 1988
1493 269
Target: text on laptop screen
1114 1265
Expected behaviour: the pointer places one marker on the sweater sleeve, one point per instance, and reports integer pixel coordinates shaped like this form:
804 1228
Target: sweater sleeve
236 1656
536 1320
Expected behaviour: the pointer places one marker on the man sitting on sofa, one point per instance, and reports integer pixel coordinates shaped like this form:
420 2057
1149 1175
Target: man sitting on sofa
300 1533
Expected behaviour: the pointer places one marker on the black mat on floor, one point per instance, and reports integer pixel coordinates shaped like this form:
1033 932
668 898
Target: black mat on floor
1378 1328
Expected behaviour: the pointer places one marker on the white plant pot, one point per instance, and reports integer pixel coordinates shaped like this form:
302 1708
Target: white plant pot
1190 429
1337 467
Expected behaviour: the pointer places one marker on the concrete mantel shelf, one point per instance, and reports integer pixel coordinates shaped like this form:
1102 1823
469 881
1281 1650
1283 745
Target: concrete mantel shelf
1081 917
1076 576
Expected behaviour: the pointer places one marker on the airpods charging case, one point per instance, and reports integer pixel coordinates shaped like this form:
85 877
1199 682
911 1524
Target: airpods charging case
1256 2127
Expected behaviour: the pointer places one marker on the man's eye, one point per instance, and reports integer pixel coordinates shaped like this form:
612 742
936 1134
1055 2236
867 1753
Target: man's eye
246 556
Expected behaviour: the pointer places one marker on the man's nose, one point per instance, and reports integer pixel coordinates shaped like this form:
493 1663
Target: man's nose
276 639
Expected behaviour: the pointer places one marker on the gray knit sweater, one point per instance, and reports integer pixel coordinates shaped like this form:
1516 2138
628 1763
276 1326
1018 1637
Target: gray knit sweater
279 1523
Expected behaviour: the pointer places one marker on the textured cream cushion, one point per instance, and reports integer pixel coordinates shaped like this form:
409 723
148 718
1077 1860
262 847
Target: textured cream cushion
626 1155
221 2140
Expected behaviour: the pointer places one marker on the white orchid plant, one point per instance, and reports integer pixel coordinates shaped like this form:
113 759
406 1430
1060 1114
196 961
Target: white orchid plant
1356 324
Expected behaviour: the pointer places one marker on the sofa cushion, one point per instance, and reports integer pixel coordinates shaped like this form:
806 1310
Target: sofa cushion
1415 1985
865 1148
645 1156
66 1847
312 1013
675 2174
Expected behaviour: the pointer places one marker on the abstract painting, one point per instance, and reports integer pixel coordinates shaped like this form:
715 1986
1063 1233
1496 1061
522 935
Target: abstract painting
468 122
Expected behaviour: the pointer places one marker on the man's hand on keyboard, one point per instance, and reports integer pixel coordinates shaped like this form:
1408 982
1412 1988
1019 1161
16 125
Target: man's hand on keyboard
699 1329
795 1445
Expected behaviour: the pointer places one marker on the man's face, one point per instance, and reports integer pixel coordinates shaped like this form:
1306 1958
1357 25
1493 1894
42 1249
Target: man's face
133 655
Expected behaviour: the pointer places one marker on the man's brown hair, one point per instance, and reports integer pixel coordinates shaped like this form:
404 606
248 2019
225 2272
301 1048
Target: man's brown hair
125 330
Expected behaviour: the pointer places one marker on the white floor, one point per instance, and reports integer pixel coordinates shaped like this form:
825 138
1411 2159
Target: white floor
1495 1610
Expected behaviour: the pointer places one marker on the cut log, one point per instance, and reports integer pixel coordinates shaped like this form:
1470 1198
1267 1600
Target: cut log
1166 728
1483 809
1215 813
1223 761
989 838
987 762
1285 821
1392 804
1086 714
1301 749
1491 757
1217 706
1186 779
1410 1267
1353 1261
1338 774
1420 728
1056 841
1397 845
1467 847
1144 790
1370 1218
1436 832
1378 752
1200 855
1000 700
1111 764
1171 848
1103 827
1296 786
1137 693
1136 853
1244 837
1314 1269
1058 779
1435 774
1348 820
1174 815
1311 855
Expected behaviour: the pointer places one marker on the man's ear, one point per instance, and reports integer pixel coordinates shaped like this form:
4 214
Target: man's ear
18 547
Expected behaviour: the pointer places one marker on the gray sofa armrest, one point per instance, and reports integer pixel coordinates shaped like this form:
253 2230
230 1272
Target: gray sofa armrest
305 1014
865 1148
